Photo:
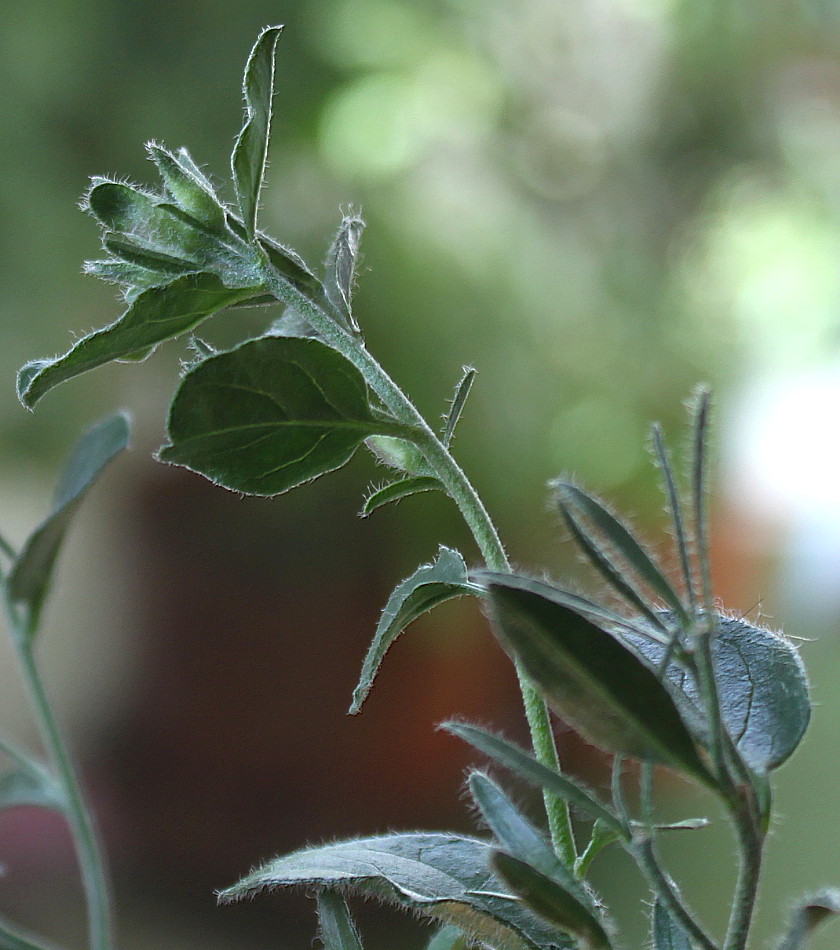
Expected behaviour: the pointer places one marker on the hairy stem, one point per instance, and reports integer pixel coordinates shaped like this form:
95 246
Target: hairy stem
469 504
751 847
88 850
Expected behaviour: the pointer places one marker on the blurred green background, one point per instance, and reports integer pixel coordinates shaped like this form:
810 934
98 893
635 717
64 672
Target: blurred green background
598 205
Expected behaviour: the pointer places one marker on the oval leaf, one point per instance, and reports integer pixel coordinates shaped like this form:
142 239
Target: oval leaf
444 877
158 314
336 925
251 149
762 689
270 414
29 579
551 901
593 682
427 587
400 454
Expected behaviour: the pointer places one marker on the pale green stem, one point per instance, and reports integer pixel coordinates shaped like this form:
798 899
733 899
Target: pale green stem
751 846
79 821
469 504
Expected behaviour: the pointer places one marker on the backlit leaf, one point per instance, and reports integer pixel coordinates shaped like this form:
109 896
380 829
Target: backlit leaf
427 587
441 876
394 491
591 680
29 579
251 149
270 414
189 188
158 314
340 267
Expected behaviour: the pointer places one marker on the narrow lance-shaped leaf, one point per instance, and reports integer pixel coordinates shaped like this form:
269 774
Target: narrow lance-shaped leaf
250 152
340 267
427 587
271 414
394 491
591 680
29 579
447 938
158 314
526 766
620 540
456 406
337 930
762 690
666 933
808 914
549 900
442 877
519 837
189 188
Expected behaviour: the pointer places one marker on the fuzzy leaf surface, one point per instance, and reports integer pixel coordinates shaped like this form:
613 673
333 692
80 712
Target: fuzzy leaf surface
340 267
158 314
189 188
251 149
399 454
547 898
29 579
592 681
427 587
270 414
518 761
447 938
666 933
762 687
337 931
394 491
440 876
808 914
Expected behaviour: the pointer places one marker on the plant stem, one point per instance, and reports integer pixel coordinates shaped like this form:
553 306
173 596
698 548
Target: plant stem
750 846
469 504
79 821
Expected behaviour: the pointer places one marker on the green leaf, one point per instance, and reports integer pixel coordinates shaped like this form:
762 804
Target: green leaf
30 786
513 758
336 925
441 876
133 277
158 314
251 149
808 914
619 540
456 406
550 901
158 235
189 188
29 579
666 933
762 690
519 837
270 414
340 268
591 680
394 491
447 938
400 454
427 587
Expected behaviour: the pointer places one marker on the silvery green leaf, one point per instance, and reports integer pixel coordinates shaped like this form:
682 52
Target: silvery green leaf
292 323
401 455
427 587
271 414
762 690
158 314
519 837
591 680
809 913
620 540
551 901
666 933
250 152
340 267
447 938
133 277
29 579
188 187
444 877
402 488
526 766
337 930
456 406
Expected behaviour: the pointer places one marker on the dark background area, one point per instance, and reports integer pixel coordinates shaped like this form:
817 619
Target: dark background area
599 206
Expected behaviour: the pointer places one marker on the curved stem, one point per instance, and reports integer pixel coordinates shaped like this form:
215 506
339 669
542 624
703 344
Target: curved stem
88 850
751 847
469 504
